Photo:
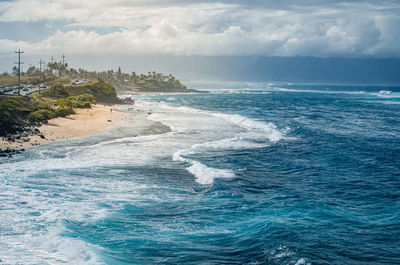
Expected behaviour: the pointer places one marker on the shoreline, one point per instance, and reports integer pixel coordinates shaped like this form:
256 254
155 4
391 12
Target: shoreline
84 122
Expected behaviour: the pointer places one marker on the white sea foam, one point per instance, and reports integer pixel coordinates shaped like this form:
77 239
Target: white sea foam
302 261
327 91
37 201
232 132
240 132
31 217
239 91
388 94
385 92
267 130
50 247
206 175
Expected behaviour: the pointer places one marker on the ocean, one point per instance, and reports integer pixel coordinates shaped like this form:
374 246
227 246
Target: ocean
249 173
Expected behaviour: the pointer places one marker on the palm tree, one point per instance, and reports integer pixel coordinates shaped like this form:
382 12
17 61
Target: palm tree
15 70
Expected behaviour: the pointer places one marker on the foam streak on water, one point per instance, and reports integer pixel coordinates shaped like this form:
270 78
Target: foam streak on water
248 134
249 174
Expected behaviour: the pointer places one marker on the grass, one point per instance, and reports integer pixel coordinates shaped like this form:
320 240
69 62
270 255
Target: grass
8 80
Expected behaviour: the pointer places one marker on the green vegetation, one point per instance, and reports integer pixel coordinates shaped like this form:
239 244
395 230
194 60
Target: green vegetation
17 103
58 101
64 111
151 82
46 112
80 101
61 96
154 85
98 90
154 82
9 104
43 114
17 112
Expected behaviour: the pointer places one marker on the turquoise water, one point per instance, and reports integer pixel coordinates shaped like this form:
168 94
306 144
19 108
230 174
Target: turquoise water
251 173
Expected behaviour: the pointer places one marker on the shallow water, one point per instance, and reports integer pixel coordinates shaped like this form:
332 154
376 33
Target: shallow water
250 173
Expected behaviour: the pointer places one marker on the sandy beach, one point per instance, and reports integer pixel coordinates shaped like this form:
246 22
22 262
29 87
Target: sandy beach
84 122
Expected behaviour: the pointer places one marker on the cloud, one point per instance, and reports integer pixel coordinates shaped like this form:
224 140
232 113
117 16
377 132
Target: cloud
273 28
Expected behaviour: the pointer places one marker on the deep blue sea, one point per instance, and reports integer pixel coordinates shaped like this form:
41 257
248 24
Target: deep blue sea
250 173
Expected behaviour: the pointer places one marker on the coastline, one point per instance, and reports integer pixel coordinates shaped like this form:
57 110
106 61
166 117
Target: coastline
83 123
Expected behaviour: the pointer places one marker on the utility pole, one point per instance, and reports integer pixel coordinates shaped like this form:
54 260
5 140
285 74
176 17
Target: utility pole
40 69
19 70
51 66
62 68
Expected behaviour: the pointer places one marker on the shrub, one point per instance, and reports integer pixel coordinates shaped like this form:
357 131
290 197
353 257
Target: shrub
43 114
81 101
65 102
86 97
64 111
9 104
82 104
45 106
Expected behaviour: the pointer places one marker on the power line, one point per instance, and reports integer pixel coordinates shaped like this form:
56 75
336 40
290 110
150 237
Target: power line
19 70
52 59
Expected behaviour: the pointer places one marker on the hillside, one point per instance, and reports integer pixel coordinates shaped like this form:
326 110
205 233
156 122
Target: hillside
150 82
20 114
101 91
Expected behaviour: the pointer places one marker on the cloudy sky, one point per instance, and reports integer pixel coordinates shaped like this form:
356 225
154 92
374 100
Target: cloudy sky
203 27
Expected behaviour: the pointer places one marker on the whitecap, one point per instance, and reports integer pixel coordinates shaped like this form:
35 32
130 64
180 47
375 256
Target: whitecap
205 175
251 135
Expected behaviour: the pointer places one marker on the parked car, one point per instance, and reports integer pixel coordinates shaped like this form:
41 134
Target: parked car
42 86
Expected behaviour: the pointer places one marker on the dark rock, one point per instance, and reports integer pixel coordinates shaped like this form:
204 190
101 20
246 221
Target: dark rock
8 152
127 101
42 136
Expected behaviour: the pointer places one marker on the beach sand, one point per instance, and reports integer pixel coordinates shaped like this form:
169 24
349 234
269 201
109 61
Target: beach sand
84 122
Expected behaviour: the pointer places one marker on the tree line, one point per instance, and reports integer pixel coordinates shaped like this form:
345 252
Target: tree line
117 78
